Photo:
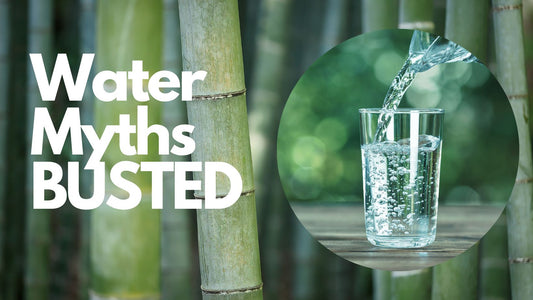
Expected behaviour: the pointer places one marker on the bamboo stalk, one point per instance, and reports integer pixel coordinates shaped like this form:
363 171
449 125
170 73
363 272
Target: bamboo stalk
176 251
381 280
527 14
335 24
467 25
227 238
457 278
508 31
363 283
411 285
14 227
125 244
4 88
416 14
379 14
249 13
309 17
307 264
37 277
267 96
339 277
416 284
87 33
266 93
494 269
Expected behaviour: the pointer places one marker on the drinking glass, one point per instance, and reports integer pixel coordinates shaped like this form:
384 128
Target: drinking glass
401 167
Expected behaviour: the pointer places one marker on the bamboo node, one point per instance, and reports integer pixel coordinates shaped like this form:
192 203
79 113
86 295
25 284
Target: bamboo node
233 291
407 273
521 260
424 25
95 296
498 8
243 193
219 96
524 180
518 97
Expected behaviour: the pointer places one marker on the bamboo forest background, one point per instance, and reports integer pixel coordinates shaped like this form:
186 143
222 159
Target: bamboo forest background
46 254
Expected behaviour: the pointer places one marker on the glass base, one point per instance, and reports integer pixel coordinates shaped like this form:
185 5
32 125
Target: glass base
391 241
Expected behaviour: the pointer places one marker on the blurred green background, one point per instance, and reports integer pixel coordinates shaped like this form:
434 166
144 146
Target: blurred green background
280 39
319 153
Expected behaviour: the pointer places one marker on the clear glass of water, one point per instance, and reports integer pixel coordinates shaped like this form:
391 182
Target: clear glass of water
401 168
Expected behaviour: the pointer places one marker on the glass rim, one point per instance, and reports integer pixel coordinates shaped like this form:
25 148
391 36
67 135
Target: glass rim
402 110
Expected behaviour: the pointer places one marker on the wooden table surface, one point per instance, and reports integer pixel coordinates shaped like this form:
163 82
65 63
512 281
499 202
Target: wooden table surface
340 228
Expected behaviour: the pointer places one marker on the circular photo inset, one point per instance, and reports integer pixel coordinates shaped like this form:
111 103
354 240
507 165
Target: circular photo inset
397 150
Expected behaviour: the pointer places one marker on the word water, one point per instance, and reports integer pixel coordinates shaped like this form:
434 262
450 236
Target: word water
425 52
401 191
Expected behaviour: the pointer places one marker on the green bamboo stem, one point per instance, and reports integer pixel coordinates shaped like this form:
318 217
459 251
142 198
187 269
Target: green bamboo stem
339 277
305 248
466 24
227 238
457 278
125 245
37 277
266 93
14 226
267 100
335 24
313 268
416 14
527 14
411 285
4 85
64 246
511 74
87 27
249 13
494 269
381 280
308 17
379 14
363 288
176 251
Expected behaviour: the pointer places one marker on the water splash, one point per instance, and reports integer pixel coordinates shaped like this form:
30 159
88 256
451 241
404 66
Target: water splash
425 52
